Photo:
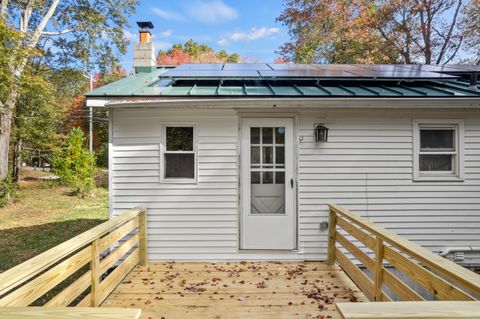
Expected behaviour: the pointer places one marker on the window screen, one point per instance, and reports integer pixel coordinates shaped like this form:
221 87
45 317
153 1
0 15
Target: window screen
437 150
179 156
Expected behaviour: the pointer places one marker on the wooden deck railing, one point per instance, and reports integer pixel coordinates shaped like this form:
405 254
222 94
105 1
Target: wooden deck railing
79 271
441 277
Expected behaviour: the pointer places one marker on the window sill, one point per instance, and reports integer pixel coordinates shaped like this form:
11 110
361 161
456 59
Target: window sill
438 179
179 181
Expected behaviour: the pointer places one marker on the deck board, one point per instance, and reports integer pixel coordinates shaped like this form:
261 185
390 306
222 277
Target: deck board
235 290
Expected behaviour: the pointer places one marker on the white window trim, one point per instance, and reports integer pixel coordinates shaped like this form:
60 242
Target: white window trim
163 150
459 164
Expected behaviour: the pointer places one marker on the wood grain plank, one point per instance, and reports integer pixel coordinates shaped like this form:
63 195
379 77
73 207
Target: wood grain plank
411 310
18 275
437 286
443 266
118 253
69 294
34 289
110 239
356 232
115 277
359 278
68 313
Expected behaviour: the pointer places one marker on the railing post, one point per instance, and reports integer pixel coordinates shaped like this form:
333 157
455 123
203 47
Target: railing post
95 274
332 225
378 268
142 218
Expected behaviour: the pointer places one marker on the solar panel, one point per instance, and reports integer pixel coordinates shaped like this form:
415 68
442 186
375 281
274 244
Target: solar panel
292 67
246 67
200 66
210 74
401 74
306 74
363 71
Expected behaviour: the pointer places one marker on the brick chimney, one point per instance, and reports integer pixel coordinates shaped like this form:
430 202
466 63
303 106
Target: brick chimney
144 53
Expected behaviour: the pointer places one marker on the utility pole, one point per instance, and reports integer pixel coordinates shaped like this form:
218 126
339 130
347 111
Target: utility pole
90 123
90 117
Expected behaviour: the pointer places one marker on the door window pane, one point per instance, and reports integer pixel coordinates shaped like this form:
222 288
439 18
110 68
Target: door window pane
437 139
280 135
279 177
268 155
267 178
267 135
255 178
280 155
255 135
179 138
255 155
179 165
429 163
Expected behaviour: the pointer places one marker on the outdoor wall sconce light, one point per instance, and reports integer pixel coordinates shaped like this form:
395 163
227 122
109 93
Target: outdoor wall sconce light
321 133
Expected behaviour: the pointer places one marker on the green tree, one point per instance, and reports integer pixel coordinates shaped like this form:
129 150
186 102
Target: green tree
37 119
69 33
75 164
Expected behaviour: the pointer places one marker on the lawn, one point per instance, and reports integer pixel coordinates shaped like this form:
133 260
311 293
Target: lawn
44 216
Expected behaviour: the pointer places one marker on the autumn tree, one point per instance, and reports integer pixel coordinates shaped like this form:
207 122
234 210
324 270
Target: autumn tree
194 52
377 31
325 31
79 34
470 24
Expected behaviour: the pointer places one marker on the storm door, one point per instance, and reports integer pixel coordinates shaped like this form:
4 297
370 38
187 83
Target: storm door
267 179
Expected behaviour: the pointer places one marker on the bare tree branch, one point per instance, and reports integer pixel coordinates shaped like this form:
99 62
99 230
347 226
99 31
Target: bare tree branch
449 34
48 33
454 52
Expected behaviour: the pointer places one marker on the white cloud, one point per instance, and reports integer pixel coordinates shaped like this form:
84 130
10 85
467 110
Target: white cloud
167 33
167 15
222 42
211 11
254 34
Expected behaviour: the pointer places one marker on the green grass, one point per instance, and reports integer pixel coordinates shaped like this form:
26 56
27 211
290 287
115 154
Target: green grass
43 217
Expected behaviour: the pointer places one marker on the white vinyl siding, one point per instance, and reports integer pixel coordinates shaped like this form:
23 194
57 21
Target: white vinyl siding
366 166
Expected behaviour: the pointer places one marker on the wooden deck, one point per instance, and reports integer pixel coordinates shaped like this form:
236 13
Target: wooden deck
235 290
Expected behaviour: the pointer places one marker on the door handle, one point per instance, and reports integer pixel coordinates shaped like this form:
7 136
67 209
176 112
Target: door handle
291 182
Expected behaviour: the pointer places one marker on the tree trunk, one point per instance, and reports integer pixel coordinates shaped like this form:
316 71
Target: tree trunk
17 160
5 130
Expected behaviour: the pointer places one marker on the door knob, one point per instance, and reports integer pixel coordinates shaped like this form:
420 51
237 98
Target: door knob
291 182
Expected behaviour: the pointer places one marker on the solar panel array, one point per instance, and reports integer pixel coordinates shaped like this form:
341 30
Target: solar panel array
364 71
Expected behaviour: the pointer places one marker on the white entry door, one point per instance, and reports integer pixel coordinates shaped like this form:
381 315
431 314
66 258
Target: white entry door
267 184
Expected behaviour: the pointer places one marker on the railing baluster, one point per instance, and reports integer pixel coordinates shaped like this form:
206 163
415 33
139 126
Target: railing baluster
142 218
378 268
332 225
95 272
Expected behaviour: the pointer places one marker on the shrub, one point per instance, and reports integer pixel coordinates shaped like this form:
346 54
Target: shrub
8 191
75 164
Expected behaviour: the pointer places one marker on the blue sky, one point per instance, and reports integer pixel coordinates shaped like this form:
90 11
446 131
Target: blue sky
247 27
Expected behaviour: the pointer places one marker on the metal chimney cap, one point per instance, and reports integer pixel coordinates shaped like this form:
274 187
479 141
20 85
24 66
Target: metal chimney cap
145 25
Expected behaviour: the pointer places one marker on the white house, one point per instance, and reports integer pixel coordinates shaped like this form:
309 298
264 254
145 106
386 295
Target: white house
239 161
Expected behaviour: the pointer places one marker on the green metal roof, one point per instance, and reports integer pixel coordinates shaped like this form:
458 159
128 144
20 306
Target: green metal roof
156 84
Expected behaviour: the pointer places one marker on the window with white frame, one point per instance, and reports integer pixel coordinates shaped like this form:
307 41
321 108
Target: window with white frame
438 150
179 156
